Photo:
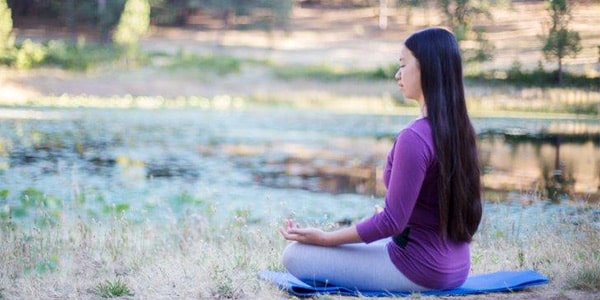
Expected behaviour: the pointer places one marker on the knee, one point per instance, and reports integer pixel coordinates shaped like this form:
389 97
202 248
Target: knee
291 256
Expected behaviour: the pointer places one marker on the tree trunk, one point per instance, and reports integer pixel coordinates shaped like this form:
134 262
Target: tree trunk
383 14
71 19
225 18
104 32
101 6
560 73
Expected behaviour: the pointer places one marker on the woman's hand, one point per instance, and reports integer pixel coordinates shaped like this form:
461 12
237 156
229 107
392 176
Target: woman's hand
314 236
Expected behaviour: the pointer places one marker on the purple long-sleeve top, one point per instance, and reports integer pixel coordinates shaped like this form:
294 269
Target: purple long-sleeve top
411 177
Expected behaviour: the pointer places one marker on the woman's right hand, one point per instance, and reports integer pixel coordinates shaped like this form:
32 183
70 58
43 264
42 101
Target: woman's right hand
293 232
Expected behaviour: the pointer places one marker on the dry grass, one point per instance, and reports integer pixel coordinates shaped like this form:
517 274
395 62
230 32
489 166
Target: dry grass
183 259
194 258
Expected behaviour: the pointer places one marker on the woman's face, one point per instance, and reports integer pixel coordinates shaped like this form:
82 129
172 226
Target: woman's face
409 76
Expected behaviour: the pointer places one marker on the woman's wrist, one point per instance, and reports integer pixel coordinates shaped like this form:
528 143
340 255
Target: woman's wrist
347 235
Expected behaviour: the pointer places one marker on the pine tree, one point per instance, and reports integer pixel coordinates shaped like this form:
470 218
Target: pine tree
560 41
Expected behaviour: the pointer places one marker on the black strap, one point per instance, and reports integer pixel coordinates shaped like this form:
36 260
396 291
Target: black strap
402 239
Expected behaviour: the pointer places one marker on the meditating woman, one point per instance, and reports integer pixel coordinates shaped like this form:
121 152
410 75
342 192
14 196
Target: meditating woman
420 239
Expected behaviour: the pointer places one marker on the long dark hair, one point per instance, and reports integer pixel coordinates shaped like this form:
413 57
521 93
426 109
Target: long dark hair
437 52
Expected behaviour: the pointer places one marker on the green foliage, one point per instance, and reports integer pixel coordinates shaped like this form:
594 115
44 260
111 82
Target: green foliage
484 50
29 55
385 73
560 42
460 16
70 56
116 208
220 64
47 209
267 14
46 265
7 39
333 73
170 12
31 197
186 202
112 289
538 77
133 24
4 207
80 56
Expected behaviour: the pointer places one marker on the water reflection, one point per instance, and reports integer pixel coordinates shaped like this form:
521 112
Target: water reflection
554 171
548 169
559 162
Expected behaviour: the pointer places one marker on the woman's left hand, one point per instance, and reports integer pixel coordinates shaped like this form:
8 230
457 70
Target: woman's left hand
293 232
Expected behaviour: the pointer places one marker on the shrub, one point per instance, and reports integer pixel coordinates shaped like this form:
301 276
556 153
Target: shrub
29 55
80 56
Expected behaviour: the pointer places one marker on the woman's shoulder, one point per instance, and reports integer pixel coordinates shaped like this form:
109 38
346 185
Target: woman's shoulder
417 132
421 127
421 123
417 136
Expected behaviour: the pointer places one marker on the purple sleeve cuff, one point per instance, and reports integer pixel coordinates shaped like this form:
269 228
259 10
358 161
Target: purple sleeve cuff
367 231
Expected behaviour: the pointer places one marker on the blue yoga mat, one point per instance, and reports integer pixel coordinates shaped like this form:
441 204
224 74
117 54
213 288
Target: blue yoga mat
504 281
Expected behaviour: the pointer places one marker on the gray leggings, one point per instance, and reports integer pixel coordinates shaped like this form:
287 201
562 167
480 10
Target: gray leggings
361 266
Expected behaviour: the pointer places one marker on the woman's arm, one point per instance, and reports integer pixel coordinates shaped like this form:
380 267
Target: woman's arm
409 161
315 236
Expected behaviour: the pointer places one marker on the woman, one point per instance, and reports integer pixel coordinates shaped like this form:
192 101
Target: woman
433 202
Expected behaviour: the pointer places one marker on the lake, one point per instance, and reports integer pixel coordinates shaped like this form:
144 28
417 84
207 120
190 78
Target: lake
262 163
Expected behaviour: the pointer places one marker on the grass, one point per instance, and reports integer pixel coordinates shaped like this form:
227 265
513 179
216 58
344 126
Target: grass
587 278
112 289
328 72
194 255
219 64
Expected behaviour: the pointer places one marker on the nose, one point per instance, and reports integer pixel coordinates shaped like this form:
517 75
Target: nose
398 75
